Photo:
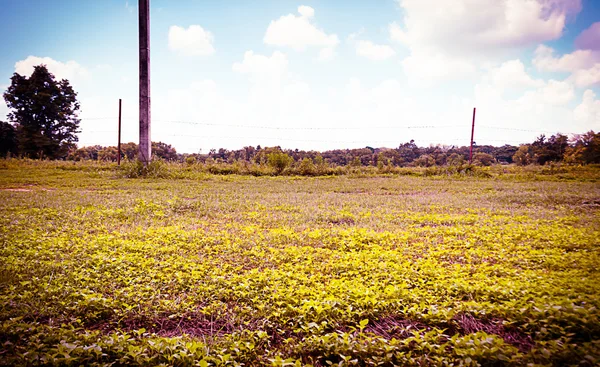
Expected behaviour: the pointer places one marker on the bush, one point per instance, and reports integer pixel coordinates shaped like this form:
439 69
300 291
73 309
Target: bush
307 167
136 169
483 159
279 161
190 161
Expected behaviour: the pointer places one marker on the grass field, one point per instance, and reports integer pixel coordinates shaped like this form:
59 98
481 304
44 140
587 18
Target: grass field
287 271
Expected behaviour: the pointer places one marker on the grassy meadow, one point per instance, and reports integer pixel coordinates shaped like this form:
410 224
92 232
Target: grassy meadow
500 267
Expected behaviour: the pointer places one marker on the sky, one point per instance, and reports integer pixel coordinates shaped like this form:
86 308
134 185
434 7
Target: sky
316 74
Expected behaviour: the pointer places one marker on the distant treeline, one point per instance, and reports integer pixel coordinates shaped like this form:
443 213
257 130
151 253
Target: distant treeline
581 149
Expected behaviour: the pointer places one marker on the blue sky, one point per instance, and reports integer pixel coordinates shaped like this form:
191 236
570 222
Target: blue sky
319 74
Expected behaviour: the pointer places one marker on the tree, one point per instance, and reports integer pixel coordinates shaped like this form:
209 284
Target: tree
8 139
505 153
425 160
279 161
550 150
523 155
586 149
164 151
45 114
483 159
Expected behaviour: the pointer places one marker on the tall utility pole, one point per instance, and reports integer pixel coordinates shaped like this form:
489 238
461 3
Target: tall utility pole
145 120
119 142
472 135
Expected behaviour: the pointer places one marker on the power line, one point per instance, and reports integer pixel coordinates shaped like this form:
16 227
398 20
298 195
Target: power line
524 130
282 139
309 128
325 128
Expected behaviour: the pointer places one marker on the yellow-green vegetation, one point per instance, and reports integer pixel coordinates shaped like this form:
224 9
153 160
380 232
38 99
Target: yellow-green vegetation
421 269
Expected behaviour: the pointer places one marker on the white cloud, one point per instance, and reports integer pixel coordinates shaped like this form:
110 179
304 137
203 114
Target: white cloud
373 51
463 25
587 77
532 107
553 92
306 11
587 114
545 60
448 39
512 75
194 41
589 39
70 70
298 32
397 34
583 64
423 67
260 65
327 54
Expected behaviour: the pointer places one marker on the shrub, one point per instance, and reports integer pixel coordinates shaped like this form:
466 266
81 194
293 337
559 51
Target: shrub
136 169
279 161
307 167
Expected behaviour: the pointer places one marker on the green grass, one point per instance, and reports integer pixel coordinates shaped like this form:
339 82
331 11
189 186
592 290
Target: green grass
422 267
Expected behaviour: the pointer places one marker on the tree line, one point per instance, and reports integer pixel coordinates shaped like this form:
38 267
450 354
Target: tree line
43 123
582 149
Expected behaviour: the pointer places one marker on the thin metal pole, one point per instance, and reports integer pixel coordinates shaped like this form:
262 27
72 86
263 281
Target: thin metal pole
145 149
119 144
472 135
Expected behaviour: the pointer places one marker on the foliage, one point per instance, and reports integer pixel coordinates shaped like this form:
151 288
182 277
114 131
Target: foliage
129 151
45 114
582 149
212 270
483 159
279 161
550 150
164 151
523 156
585 149
8 139
307 167
425 160
135 169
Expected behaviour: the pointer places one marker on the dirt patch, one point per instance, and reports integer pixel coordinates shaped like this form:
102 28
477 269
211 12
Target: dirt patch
193 323
26 188
392 327
468 324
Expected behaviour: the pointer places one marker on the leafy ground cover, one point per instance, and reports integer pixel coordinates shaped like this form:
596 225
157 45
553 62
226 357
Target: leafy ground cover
420 269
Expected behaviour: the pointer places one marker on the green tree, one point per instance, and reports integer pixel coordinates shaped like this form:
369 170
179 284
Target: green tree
524 155
279 161
425 160
164 151
505 153
8 139
549 150
45 113
483 159
586 149
455 159
307 167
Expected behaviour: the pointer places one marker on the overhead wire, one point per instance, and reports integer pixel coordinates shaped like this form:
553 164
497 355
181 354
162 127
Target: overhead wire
319 128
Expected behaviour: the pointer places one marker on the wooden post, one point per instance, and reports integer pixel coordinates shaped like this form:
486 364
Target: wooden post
119 143
472 135
145 149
